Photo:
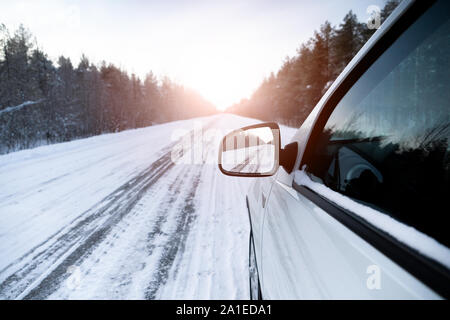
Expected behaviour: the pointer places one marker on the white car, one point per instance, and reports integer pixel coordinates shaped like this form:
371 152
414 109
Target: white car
359 206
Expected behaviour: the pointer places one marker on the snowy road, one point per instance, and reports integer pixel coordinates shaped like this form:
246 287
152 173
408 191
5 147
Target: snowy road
113 217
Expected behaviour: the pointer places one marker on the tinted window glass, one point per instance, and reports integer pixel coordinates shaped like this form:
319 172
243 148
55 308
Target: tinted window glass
386 144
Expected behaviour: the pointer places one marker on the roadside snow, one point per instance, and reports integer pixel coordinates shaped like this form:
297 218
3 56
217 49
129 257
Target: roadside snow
403 233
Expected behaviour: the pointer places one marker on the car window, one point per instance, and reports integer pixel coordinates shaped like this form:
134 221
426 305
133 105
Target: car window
386 144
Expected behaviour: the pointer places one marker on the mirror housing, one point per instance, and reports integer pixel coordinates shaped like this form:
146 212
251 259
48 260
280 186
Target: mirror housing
255 151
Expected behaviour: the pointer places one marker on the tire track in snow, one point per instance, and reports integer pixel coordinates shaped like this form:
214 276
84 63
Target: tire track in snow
213 264
175 243
82 235
44 267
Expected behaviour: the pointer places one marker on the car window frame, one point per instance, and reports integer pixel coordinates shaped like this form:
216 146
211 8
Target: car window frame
428 271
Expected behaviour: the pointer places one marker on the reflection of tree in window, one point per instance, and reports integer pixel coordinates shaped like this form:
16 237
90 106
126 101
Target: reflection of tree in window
386 144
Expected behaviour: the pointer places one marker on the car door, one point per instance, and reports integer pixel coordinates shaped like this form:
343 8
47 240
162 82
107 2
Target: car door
364 216
256 204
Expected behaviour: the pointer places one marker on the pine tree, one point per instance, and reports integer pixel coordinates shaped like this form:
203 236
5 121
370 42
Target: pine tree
42 74
388 8
347 41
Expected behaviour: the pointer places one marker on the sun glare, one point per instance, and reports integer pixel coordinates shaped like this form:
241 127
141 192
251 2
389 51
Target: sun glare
220 84
221 75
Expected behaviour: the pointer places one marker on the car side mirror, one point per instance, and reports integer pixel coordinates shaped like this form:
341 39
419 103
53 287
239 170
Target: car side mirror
254 151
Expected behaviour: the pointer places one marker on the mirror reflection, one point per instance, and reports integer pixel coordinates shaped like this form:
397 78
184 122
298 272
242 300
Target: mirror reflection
250 151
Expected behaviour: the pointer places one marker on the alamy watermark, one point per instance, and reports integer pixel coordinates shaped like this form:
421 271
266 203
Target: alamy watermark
373 281
200 145
61 15
74 280
374 20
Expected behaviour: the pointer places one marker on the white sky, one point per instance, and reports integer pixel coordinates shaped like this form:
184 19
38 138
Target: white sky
223 49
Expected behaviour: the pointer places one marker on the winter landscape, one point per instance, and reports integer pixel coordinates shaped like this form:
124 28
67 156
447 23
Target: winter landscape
96 200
